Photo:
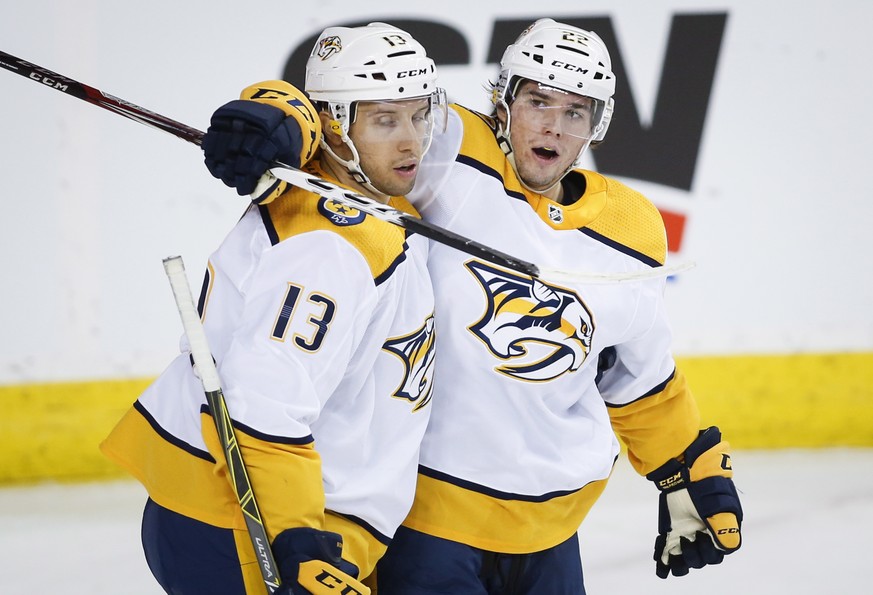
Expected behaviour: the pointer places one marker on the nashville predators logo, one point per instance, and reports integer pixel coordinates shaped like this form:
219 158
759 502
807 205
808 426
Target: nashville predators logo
416 351
540 331
340 213
328 46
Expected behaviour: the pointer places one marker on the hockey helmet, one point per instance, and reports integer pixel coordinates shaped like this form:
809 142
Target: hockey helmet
564 57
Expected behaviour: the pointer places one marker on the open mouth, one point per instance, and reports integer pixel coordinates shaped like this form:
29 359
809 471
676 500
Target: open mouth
406 170
545 153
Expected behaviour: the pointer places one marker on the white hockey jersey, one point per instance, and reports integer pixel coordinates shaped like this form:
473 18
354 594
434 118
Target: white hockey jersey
320 319
521 440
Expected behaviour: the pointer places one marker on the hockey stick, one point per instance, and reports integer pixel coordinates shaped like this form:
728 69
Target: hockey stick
324 188
239 478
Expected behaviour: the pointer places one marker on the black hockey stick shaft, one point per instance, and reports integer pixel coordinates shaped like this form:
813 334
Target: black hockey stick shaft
236 468
59 82
94 96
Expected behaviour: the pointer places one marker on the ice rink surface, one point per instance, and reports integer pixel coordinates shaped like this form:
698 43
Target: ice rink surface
809 518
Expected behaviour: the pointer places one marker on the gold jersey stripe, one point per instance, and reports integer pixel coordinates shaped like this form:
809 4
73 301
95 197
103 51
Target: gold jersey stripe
497 524
640 424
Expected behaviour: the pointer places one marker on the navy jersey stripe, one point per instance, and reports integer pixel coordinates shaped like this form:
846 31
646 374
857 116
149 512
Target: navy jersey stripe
380 537
177 442
475 487
237 426
653 391
386 274
620 247
268 224
481 167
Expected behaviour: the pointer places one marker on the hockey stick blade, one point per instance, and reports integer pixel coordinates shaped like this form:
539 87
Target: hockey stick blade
236 468
326 189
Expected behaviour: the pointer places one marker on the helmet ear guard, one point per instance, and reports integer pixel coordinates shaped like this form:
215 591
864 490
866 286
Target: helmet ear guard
605 119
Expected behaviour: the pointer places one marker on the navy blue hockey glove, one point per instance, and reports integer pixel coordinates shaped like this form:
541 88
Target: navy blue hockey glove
271 121
244 138
700 515
310 561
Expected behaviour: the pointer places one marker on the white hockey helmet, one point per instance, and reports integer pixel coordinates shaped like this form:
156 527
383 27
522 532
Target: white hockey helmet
564 57
372 63
378 62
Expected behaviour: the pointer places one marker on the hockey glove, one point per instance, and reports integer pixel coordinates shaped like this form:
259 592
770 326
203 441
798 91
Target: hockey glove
273 121
244 137
700 514
310 561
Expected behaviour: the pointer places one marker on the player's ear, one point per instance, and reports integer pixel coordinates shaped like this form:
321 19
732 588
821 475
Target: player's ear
500 110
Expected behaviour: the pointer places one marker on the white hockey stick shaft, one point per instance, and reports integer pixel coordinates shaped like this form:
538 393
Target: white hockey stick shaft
208 373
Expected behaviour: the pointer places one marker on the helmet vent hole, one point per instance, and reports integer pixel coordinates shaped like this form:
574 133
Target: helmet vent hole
572 49
379 76
403 53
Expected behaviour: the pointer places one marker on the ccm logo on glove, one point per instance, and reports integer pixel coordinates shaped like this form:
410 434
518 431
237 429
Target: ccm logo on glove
316 577
700 514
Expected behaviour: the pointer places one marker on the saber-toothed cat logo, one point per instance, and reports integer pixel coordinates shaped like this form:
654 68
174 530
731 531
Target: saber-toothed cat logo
539 331
416 351
329 46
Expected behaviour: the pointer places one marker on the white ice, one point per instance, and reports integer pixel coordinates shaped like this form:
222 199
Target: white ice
809 516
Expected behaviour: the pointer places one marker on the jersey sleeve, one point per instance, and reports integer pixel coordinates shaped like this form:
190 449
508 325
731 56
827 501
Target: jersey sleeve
650 405
303 314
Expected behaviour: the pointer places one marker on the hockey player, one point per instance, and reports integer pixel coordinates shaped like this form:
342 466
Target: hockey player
534 379
321 323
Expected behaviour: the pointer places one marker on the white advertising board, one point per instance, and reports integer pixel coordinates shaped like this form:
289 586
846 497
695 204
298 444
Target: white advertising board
747 123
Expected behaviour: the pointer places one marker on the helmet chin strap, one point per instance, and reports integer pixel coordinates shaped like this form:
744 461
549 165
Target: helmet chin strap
353 165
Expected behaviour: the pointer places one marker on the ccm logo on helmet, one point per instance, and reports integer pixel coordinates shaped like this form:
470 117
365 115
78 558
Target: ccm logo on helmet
567 66
410 73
